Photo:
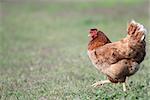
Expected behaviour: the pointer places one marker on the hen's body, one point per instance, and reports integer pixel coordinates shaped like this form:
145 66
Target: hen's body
121 59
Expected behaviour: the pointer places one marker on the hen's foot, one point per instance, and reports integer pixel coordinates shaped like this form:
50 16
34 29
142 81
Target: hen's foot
100 83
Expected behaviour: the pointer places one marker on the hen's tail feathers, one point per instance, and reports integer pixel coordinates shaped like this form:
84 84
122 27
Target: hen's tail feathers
136 30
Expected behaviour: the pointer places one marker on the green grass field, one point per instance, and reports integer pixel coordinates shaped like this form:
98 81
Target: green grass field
43 52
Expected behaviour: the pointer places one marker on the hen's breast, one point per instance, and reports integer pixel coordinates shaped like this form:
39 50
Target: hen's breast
97 60
93 58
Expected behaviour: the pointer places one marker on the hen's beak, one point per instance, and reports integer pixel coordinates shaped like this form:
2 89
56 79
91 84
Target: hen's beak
89 35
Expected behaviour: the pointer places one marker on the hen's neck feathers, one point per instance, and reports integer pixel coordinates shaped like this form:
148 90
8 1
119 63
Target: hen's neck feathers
98 41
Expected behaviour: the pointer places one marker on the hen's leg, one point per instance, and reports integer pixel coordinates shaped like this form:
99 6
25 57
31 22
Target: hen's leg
124 86
127 83
100 83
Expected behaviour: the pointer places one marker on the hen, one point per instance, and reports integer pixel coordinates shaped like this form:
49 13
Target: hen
117 60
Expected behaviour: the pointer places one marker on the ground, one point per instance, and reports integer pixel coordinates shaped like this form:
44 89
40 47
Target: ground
43 52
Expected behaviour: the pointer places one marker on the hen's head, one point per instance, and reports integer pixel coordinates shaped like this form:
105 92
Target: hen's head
93 33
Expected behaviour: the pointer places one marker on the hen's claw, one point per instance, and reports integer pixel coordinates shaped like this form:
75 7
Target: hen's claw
97 84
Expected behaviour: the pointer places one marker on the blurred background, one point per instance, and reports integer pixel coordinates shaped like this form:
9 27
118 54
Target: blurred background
44 43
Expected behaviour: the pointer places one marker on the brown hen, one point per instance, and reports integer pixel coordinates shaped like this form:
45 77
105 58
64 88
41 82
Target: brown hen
117 60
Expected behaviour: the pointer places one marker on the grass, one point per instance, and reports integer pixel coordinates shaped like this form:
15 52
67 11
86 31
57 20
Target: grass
43 49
